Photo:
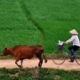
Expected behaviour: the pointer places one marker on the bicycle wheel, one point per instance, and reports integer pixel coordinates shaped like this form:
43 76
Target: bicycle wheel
77 57
58 57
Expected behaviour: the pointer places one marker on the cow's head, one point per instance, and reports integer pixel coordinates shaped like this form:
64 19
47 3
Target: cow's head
5 52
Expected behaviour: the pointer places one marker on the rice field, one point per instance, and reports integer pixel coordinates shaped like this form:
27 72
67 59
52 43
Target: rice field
41 22
37 22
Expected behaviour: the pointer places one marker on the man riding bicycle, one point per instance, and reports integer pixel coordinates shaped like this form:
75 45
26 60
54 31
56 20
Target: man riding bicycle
76 44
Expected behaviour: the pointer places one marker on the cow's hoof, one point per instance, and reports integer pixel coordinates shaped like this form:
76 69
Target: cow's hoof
39 65
19 66
45 61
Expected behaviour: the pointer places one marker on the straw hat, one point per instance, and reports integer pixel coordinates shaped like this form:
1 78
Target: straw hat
73 31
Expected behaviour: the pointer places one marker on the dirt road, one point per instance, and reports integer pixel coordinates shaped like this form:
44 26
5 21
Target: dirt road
10 63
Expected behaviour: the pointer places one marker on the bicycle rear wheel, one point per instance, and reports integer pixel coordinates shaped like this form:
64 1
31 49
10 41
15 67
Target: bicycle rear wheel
58 57
77 57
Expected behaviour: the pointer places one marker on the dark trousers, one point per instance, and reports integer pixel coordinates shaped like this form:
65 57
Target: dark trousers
73 49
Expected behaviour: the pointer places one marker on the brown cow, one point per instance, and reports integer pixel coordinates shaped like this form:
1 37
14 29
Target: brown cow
21 52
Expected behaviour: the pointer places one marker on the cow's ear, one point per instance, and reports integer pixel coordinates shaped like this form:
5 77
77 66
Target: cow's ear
6 48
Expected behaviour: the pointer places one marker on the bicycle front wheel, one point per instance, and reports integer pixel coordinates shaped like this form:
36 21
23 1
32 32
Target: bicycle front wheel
58 57
77 57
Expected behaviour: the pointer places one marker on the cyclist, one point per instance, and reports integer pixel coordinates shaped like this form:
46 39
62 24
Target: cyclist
75 43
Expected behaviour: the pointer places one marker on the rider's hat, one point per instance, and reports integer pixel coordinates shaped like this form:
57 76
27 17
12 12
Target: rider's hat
73 31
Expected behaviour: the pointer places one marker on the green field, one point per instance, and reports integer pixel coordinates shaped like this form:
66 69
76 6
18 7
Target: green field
42 22
37 22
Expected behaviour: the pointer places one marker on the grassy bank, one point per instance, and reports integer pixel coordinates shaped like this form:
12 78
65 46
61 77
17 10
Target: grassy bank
29 74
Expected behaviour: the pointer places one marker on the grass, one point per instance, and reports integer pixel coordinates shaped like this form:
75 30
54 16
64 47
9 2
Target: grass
55 74
37 22
44 74
55 18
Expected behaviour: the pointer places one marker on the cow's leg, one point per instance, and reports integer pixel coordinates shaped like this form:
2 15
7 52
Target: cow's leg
40 60
16 62
21 63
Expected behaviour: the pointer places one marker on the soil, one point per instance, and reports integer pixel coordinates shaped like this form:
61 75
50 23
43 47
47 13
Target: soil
10 63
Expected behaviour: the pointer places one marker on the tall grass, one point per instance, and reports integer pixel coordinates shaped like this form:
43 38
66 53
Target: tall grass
56 18
14 27
37 22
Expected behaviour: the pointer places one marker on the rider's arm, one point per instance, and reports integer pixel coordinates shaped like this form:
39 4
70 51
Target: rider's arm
70 40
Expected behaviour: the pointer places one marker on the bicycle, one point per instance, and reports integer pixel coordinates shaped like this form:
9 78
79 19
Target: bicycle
60 55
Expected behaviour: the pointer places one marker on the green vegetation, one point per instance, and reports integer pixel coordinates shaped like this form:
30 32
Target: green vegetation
44 74
37 22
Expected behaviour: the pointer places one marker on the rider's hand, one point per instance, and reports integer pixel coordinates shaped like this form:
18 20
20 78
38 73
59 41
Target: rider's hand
64 42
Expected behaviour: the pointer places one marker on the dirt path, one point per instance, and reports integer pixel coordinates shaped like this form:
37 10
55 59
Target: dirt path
10 63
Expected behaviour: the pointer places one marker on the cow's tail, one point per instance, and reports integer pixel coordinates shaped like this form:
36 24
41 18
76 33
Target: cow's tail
44 58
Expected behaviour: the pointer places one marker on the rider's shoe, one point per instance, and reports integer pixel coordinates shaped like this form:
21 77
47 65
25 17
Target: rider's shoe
71 61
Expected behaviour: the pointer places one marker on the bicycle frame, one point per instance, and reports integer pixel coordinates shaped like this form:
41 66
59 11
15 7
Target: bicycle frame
60 47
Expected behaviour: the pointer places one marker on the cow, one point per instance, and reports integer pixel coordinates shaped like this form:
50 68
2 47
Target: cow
21 52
